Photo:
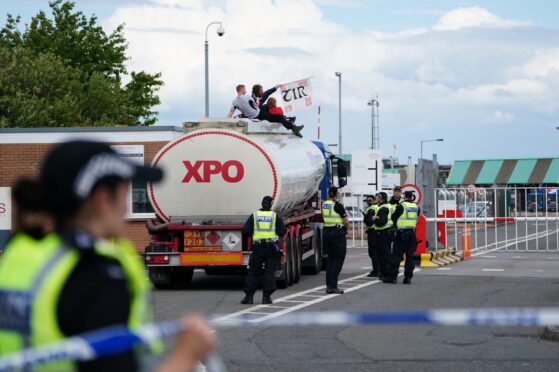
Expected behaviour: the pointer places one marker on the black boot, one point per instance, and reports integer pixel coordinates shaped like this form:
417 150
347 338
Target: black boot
334 291
390 281
373 274
247 300
267 300
297 129
407 280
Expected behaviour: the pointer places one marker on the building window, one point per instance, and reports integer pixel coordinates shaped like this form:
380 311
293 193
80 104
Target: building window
138 201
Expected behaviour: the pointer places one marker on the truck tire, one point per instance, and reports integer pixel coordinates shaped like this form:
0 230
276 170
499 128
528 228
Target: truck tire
316 266
181 277
297 258
286 277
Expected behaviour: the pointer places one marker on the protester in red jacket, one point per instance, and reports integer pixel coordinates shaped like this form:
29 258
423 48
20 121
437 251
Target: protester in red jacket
273 108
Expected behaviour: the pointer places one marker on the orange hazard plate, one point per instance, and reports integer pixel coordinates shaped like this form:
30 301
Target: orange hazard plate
195 259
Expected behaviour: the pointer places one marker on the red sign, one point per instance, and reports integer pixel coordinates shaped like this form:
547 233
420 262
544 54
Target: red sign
415 189
201 171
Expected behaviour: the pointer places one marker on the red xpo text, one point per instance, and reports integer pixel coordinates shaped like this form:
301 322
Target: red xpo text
201 171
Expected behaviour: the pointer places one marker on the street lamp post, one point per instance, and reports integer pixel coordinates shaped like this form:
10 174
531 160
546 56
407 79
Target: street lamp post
339 75
220 32
430 140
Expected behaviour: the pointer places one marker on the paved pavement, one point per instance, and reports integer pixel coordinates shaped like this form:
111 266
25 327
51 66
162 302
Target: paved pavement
495 279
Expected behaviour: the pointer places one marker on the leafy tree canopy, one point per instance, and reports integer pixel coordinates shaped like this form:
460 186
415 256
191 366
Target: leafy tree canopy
66 71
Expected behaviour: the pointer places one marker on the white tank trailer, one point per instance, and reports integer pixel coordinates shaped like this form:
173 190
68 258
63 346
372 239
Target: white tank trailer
221 170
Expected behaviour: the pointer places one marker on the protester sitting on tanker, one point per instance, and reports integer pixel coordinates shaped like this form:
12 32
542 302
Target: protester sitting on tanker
246 105
83 277
273 107
259 96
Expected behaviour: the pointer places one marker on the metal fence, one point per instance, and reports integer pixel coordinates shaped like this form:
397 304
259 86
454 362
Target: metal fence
499 218
519 219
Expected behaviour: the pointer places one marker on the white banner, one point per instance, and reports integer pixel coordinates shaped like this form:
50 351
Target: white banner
297 95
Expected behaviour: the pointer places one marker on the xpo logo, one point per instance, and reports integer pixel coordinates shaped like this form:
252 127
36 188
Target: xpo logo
201 171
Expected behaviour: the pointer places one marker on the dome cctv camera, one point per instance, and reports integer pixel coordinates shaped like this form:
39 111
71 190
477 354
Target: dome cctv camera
220 31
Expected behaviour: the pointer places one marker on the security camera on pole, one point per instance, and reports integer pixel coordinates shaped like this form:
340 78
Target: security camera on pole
220 32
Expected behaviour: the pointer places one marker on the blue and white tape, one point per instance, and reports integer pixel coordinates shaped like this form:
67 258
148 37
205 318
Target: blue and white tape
113 340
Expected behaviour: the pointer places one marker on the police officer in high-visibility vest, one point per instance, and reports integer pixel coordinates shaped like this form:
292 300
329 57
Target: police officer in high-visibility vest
370 212
82 277
383 237
334 239
265 227
405 220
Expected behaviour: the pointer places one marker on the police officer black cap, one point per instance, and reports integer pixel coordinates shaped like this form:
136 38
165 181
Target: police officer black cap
267 200
382 195
397 188
409 194
333 191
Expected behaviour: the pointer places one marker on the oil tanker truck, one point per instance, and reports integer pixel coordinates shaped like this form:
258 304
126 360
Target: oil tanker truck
216 175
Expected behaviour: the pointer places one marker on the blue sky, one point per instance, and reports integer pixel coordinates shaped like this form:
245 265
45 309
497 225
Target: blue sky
483 75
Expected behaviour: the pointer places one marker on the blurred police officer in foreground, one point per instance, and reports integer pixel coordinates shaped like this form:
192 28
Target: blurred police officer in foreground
82 277
370 212
384 233
265 227
405 221
334 239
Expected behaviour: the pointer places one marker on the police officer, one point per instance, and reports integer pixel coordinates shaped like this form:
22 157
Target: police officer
396 197
265 227
76 280
334 239
370 212
405 221
384 232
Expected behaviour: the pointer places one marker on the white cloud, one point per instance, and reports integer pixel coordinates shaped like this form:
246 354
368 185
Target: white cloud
499 117
474 16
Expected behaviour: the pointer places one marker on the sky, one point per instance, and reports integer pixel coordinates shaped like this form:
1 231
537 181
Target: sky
482 75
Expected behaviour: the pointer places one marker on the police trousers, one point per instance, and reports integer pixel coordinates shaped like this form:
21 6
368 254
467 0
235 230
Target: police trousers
335 244
262 265
382 243
404 243
373 250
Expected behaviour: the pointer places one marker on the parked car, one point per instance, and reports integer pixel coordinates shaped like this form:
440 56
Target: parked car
354 214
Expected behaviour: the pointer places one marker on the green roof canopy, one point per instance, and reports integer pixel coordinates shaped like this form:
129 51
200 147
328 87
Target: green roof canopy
505 171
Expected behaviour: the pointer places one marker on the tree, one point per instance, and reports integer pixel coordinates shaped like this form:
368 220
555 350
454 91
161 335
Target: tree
84 64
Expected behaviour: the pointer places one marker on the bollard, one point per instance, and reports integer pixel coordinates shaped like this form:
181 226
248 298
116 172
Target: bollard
466 243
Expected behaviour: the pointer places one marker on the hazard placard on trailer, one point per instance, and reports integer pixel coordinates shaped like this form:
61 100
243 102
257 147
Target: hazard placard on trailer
415 189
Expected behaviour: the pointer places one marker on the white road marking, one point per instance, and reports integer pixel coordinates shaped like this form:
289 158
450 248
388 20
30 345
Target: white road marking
302 304
367 268
510 242
517 257
492 269
444 268
490 256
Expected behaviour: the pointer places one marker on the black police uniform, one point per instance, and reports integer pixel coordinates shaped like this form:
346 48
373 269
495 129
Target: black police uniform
263 261
405 242
371 236
382 241
335 245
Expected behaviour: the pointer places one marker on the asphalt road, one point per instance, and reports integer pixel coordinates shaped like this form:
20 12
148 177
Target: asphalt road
495 279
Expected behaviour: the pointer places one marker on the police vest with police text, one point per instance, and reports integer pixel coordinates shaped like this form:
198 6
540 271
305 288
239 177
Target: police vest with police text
329 215
264 226
408 218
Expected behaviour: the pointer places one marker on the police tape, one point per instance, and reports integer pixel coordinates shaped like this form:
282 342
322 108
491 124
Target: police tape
114 340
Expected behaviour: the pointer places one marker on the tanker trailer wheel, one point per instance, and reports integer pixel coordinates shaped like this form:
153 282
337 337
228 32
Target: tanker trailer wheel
316 259
286 278
297 258
181 276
